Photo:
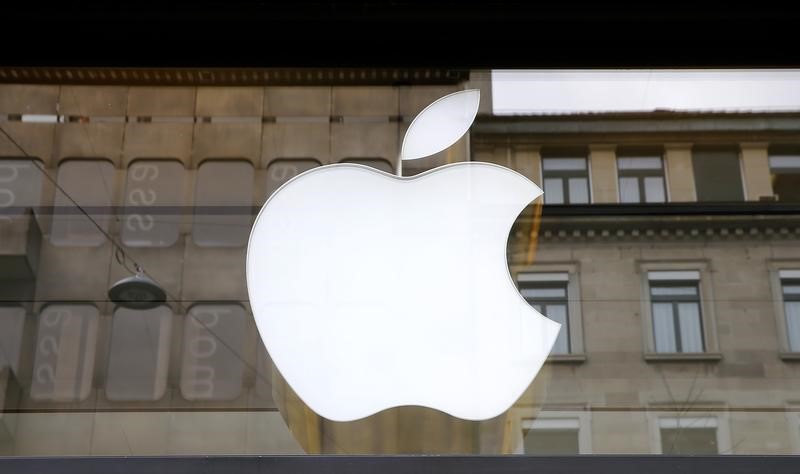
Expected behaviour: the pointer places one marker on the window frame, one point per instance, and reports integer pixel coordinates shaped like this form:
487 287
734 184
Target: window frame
580 414
781 151
775 268
708 324
657 414
640 175
674 301
577 350
565 175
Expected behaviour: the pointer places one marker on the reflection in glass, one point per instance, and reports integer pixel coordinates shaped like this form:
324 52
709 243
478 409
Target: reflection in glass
677 325
12 324
689 435
551 436
717 174
791 308
223 196
377 163
785 169
65 351
547 293
213 337
281 171
139 354
566 180
20 184
91 184
152 183
641 179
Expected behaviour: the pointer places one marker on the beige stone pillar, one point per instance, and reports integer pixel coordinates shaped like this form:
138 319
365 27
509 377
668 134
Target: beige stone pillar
527 160
679 171
755 167
603 166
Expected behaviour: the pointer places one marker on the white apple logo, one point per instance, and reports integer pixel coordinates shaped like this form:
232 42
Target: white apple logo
372 291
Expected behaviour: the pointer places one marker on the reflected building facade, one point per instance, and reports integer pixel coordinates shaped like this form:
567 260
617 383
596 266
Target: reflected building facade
666 246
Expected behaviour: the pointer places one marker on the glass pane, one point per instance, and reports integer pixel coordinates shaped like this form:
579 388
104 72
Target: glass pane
20 185
563 164
654 189
717 175
281 171
558 313
784 161
673 290
629 189
223 200
691 327
65 353
639 163
792 310
151 187
664 327
211 368
551 442
578 191
791 289
689 441
91 184
543 292
554 191
139 354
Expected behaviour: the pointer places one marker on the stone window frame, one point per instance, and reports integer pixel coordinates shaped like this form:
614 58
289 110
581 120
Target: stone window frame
656 414
577 352
583 417
776 287
707 313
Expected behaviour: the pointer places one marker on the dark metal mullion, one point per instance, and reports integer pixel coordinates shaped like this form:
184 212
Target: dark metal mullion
677 327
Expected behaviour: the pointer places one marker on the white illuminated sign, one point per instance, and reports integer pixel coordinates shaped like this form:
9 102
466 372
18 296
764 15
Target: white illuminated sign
372 291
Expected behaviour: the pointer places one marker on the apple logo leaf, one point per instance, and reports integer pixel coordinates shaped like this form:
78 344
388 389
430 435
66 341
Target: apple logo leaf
440 124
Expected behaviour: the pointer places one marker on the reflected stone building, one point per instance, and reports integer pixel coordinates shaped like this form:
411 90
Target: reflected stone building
666 246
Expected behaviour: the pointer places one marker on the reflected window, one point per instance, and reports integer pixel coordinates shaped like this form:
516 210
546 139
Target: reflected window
688 435
152 187
677 319
65 351
790 288
91 184
566 180
223 200
547 293
717 174
784 165
213 338
12 325
377 163
551 436
139 353
20 186
641 179
281 171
